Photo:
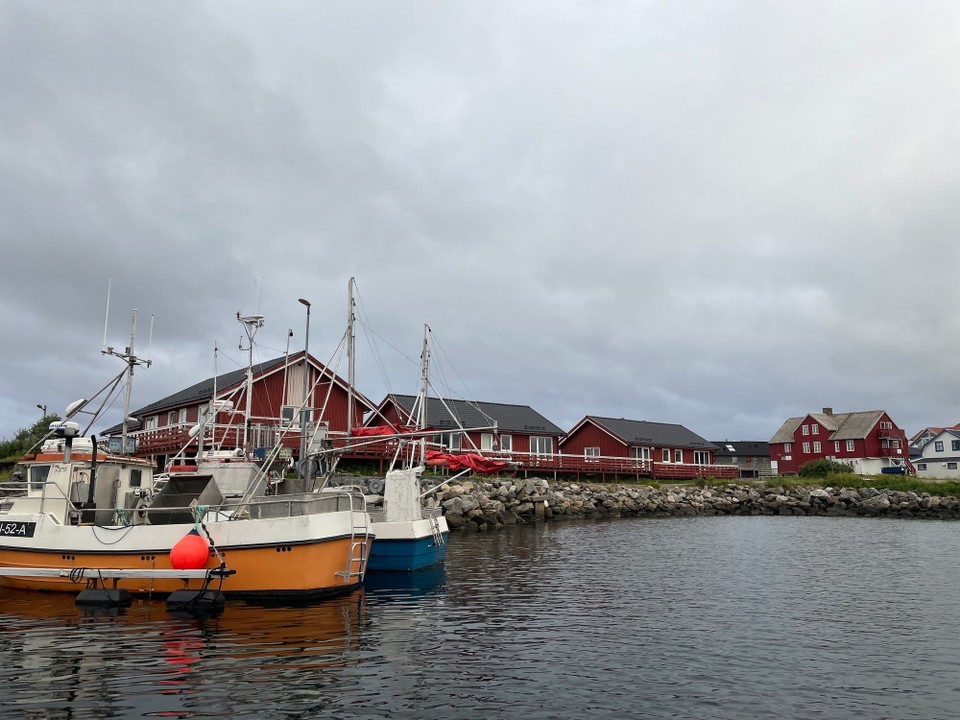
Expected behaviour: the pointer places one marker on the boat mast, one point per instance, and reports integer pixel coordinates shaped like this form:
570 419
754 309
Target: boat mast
251 323
350 357
132 361
422 395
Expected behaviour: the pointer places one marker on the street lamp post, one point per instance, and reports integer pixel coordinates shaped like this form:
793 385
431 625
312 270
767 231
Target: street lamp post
43 409
304 412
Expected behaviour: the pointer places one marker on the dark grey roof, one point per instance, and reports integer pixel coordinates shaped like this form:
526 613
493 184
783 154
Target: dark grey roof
643 432
508 418
742 448
203 390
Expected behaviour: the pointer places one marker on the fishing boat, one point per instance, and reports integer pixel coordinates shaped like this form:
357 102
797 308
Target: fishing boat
76 516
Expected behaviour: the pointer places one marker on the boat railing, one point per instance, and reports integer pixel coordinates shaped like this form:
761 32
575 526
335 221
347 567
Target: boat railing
51 494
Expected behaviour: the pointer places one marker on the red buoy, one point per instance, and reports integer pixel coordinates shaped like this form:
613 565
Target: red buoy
190 552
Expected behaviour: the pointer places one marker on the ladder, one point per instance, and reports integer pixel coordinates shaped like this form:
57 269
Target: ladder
437 535
359 537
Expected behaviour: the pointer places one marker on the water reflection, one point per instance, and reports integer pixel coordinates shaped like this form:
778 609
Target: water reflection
144 661
694 618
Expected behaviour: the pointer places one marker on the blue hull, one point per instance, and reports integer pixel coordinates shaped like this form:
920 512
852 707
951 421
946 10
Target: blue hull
406 555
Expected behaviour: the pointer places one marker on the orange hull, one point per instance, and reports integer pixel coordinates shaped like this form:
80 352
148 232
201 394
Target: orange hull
285 570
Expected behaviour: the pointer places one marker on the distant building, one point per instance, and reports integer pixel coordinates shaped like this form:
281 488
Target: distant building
924 436
940 457
659 450
751 457
485 426
869 441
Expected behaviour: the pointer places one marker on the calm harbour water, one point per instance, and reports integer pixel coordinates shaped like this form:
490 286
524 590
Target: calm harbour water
754 617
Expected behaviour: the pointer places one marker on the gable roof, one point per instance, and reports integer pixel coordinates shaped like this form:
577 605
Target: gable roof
644 432
203 390
842 426
470 414
742 448
786 431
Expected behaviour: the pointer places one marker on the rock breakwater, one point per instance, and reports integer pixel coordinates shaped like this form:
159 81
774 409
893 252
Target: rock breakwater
481 505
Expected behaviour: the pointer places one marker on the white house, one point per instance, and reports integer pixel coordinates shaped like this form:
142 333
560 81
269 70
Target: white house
940 457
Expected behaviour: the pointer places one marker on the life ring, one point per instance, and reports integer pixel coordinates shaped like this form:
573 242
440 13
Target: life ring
375 486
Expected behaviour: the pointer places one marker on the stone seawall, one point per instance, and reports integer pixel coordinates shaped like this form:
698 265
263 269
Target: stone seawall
478 505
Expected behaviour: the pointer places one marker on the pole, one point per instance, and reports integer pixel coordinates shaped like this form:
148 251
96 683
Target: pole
304 412
350 357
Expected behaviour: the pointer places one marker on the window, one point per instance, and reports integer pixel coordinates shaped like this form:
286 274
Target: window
955 445
183 416
541 445
951 466
288 413
788 447
836 446
678 455
884 425
806 448
702 457
38 476
151 423
135 478
805 429
486 441
449 440
850 446
591 452
640 453
666 455
171 418
814 429
816 447
938 446
921 466
506 443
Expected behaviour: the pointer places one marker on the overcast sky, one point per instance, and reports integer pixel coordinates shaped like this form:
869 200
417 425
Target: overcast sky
718 214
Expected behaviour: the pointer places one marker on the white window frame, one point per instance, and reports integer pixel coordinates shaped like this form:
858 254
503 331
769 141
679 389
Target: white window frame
702 457
486 441
591 453
182 420
541 445
678 455
806 448
506 443
814 429
836 446
851 446
805 429
788 447
639 453
151 423
665 455
817 448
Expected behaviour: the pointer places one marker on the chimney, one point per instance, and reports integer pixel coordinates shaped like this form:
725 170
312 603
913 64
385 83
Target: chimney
828 411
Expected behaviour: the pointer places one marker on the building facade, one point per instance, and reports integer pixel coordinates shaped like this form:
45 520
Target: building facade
870 442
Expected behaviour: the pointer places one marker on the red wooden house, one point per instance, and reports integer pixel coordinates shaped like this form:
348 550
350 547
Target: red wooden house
162 427
492 428
869 441
649 449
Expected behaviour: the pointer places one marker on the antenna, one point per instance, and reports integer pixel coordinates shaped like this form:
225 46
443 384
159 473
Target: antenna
106 318
150 342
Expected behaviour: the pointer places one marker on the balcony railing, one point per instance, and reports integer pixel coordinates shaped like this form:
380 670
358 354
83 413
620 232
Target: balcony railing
169 440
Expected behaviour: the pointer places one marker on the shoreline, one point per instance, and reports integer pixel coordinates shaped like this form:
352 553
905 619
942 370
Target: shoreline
477 506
